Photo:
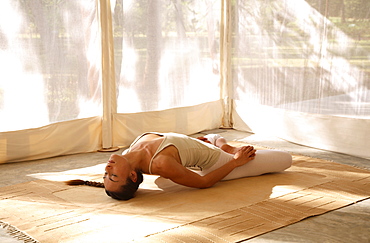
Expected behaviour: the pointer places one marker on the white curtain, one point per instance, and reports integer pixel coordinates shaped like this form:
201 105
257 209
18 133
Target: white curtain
301 72
77 76
50 88
167 67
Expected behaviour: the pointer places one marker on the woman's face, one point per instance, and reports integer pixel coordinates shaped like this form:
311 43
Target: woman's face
117 171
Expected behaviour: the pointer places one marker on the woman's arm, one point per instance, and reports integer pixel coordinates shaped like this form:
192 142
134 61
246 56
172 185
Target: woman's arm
170 169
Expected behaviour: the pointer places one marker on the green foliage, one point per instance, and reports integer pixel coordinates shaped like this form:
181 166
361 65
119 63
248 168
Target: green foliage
356 9
351 16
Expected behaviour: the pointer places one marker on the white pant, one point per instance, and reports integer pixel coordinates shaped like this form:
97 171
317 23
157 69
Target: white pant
265 161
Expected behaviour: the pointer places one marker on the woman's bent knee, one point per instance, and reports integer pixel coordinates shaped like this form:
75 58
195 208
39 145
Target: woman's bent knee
286 160
274 160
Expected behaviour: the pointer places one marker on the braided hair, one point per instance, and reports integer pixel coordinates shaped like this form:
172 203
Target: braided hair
127 191
82 182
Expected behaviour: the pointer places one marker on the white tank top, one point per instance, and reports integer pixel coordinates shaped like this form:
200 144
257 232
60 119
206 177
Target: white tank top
193 153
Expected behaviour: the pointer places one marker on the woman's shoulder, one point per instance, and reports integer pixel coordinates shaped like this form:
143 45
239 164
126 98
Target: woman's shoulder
166 159
166 167
144 140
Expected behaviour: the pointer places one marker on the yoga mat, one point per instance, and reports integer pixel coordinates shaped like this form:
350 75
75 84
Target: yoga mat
230 211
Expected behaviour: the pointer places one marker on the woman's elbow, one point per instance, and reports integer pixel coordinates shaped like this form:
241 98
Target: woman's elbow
205 184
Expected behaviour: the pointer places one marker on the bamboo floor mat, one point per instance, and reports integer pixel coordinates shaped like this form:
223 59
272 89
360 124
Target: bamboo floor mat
162 211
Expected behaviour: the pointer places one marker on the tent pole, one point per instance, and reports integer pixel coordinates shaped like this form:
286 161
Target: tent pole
108 74
225 63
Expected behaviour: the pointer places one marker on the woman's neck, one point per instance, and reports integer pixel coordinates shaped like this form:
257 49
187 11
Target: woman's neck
139 159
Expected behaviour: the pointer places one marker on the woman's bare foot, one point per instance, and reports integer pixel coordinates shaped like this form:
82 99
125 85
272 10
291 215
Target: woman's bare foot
222 144
204 139
229 149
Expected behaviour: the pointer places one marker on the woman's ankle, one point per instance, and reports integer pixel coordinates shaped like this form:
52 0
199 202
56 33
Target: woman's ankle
228 148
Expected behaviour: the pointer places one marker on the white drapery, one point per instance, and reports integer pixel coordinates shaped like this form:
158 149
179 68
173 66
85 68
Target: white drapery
78 76
95 73
301 72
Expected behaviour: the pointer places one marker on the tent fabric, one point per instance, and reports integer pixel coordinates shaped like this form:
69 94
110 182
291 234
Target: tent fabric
76 136
301 73
85 135
185 120
301 66
341 134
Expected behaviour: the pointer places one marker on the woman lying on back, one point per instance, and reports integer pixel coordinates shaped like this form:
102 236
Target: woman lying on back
187 161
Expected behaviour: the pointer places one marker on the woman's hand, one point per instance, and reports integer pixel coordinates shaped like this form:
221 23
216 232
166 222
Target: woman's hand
244 155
